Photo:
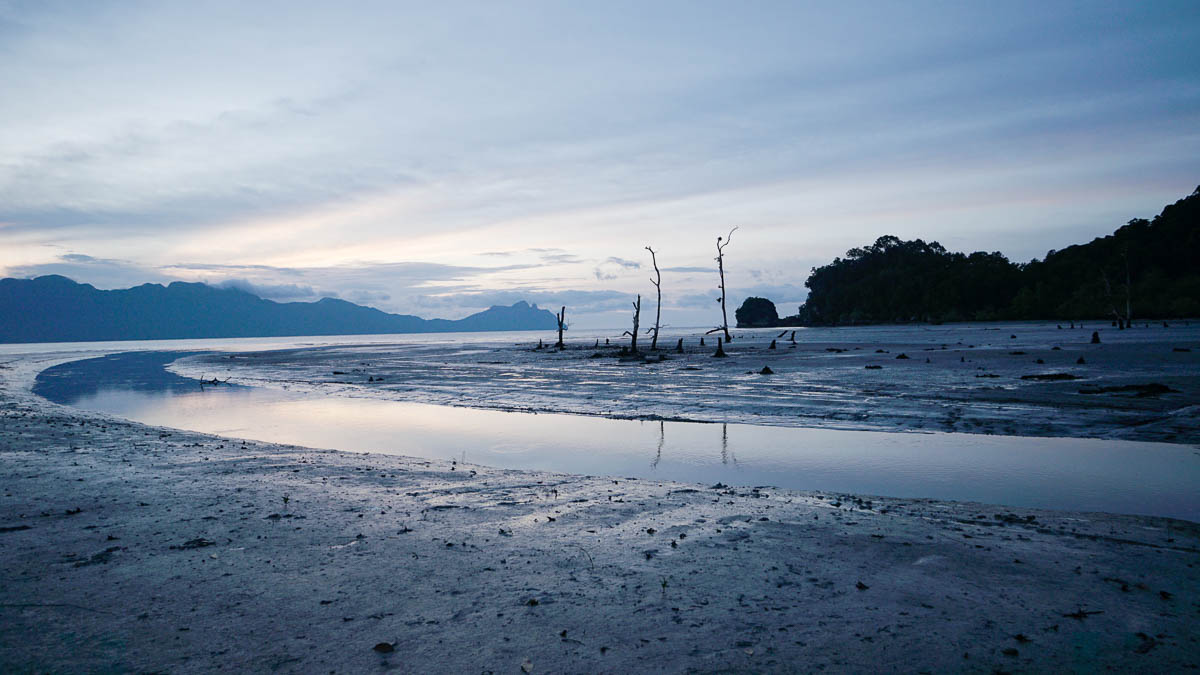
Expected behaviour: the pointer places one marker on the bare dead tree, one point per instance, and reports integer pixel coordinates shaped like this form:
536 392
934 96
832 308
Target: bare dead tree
658 306
562 318
724 327
1112 304
1128 290
637 318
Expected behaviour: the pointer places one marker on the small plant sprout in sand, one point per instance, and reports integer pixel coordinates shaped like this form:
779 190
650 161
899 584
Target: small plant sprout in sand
286 498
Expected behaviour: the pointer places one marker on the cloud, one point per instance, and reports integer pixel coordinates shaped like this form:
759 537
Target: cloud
289 292
576 301
613 268
102 273
627 264
78 258
256 152
369 298
561 258
778 293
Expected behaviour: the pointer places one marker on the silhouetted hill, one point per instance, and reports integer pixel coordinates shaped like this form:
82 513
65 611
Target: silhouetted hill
56 309
1146 269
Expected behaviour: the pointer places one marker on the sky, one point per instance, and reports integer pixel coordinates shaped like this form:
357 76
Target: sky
438 158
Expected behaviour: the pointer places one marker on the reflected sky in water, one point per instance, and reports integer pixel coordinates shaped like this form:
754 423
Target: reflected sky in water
1068 474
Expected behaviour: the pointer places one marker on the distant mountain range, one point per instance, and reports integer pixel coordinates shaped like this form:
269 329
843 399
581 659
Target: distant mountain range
57 309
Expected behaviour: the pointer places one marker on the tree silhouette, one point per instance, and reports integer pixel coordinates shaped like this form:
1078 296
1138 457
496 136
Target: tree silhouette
637 318
658 305
724 327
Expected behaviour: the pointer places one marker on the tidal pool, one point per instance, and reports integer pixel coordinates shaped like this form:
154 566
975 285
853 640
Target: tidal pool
1053 473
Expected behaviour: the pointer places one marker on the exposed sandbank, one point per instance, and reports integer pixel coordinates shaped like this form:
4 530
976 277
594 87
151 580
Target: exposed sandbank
962 378
128 547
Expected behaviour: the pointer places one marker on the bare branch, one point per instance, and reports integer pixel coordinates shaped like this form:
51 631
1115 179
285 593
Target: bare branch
721 271
658 306
728 237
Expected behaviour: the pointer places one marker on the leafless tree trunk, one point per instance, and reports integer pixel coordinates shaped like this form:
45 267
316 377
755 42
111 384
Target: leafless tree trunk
724 328
658 306
720 353
562 319
1128 291
637 318
1112 303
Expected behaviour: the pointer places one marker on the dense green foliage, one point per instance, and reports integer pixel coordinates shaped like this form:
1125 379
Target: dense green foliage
1148 269
756 313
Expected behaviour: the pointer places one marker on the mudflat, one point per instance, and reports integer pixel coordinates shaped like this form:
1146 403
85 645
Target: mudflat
126 547
1019 379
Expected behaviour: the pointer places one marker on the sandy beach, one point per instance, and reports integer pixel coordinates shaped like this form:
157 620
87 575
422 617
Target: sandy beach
128 548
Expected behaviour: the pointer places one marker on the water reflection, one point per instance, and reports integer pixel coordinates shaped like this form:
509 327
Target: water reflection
1073 474
131 371
662 438
726 456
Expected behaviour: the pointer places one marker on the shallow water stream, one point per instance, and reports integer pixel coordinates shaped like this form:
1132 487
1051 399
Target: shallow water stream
1054 473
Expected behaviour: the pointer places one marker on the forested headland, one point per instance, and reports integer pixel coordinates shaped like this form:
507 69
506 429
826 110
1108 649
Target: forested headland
1147 269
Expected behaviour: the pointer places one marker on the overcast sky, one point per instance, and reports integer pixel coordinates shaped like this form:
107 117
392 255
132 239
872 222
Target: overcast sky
435 158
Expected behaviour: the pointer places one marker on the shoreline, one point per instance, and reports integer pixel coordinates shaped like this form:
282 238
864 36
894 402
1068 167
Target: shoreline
1036 382
1067 474
131 547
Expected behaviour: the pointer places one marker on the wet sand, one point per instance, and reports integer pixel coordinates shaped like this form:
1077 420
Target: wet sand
983 378
131 548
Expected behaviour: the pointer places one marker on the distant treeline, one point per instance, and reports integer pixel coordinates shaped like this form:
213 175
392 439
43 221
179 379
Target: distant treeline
1148 269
